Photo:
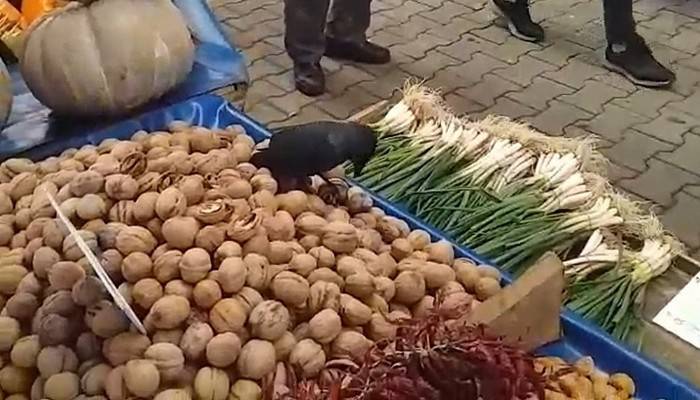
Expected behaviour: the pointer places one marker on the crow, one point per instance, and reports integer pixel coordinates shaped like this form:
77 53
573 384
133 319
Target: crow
300 151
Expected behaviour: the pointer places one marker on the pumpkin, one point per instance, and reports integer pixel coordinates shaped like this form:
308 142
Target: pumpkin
5 94
106 57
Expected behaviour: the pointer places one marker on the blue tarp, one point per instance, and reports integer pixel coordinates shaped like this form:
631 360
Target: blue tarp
217 64
580 337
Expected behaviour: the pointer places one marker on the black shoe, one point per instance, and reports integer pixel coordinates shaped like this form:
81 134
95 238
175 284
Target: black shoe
520 24
635 61
363 52
309 79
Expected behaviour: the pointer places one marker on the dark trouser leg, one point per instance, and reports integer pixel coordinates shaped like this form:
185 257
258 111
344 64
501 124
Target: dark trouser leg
349 20
305 23
619 21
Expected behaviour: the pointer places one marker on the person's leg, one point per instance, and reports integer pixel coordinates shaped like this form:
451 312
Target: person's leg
517 17
346 38
305 23
627 53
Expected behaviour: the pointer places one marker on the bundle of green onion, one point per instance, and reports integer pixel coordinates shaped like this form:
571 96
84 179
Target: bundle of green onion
511 194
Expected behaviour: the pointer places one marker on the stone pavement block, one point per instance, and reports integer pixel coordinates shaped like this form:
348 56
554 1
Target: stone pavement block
347 76
379 22
687 79
634 149
262 88
241 9
525 70
405 11
575 73
465 48
683 217
593 96
617 81
556 117
261 50
431 3
647 102
690 104
671 125
649 7
425 67
559 53
659 182
511 50
480 17
255 17
580 14
591 35
276 40
616 172
488 90
539 93
653 36
492 33
686 156
509 108
265 112
612 123
686 40
284 81
472 70
344 105
387 85
386 39
416 25
462 105
686 7
262 68
667 21
454 29
421 45
449 10
291 103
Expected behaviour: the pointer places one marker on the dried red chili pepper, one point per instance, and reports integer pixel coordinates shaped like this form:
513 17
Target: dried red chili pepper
434 358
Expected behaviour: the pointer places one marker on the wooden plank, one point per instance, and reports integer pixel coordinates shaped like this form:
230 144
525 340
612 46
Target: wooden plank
527 312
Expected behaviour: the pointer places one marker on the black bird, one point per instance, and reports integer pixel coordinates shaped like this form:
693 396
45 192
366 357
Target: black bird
300 151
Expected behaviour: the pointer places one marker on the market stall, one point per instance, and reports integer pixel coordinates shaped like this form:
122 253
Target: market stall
146 256
252 344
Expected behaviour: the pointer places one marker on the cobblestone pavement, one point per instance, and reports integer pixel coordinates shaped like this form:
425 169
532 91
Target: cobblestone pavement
652 137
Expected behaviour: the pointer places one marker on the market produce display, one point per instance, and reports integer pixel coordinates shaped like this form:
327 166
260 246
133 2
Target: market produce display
510 194
582 380
130 51
232 280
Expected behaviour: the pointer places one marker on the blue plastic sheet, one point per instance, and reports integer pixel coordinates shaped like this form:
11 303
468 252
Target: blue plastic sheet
217 64
580 337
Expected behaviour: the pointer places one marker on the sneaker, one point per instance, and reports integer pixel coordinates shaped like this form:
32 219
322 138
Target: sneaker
520 24
635 61
363 52
309 79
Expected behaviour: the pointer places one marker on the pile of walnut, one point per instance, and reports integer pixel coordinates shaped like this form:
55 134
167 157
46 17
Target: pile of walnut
228 277
582 381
